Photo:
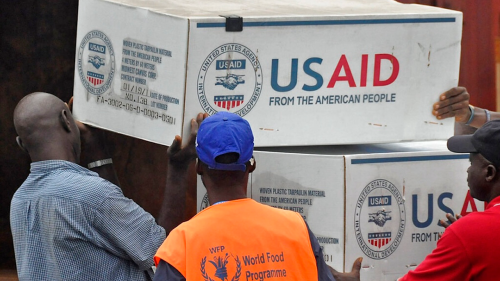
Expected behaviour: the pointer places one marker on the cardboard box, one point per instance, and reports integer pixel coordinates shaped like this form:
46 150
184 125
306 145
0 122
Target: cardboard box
303 72
379 202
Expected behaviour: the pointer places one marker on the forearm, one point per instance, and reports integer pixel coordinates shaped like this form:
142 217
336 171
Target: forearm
173 208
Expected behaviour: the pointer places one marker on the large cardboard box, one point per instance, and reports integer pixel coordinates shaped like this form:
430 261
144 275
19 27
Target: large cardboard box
303 72
379 202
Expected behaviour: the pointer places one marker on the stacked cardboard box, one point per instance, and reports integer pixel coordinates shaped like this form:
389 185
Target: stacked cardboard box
301 72
306 73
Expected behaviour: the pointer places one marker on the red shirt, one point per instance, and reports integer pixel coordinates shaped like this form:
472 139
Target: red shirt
468 250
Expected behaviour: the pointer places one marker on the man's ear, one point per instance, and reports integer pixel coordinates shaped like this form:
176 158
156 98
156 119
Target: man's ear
251 164
21 145
491 173
65 120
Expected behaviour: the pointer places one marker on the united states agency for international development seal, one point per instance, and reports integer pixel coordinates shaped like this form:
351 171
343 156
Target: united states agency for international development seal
379 219
96 62
230 79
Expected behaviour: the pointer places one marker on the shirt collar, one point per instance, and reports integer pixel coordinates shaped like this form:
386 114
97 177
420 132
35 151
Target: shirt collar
50 165
493 202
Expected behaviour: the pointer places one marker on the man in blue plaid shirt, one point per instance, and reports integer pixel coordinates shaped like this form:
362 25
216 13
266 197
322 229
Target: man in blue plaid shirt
70 223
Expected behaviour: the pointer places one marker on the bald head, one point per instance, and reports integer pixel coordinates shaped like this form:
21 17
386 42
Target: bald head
46 128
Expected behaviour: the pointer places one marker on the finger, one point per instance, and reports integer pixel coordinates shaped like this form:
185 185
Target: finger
443 223
70 104
356 266
453 92
458 216
460 110
451 218
463 97
195 125
194 131
460 116
175 146
457 106
199 118
445 115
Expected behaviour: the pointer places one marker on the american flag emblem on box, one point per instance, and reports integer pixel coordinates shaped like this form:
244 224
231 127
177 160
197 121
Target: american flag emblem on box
95 78
379 239
229 102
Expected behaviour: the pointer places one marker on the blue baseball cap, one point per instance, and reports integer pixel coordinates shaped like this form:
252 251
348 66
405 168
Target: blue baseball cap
221 133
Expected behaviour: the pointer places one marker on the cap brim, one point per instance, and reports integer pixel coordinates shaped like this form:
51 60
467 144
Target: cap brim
461 144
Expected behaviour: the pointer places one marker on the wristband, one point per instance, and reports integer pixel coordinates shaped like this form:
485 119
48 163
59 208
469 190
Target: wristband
100 163
488 115
471 108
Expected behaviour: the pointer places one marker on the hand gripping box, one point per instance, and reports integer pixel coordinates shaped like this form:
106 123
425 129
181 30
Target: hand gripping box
302 72
379 202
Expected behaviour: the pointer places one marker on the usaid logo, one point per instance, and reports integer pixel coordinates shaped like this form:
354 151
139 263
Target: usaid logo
379 219
96 62
230 79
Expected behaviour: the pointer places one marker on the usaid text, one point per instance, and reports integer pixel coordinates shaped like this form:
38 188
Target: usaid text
342 73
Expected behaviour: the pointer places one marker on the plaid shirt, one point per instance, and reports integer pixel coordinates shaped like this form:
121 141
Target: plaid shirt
69 224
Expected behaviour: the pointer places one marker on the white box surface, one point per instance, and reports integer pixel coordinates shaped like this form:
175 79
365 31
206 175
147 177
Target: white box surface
302 72
379 202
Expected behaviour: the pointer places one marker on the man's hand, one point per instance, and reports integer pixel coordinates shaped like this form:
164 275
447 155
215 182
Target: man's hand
451 220
351 276
172 211
453 103
178 155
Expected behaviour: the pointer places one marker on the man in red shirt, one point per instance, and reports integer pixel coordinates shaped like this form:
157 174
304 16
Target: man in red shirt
468 249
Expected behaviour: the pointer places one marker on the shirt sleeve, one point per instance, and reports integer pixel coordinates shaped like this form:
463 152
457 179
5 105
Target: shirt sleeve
123 228
324 273
448 261
166 272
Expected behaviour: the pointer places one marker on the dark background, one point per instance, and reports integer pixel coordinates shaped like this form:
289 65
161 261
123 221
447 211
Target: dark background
37 53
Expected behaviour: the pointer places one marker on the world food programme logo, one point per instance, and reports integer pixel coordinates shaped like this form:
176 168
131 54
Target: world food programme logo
230 79
96 62
219 269
379 219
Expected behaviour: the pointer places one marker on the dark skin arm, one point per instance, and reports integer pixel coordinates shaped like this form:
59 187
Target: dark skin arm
354 275
181 162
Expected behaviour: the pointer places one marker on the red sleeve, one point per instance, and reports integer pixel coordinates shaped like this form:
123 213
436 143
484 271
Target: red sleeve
448 261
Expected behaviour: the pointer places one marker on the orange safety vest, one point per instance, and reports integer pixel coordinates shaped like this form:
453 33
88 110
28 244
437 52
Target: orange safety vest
241 240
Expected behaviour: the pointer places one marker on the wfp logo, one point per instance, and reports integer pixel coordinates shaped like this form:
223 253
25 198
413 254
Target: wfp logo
379 219
230 79
97 71
219 268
